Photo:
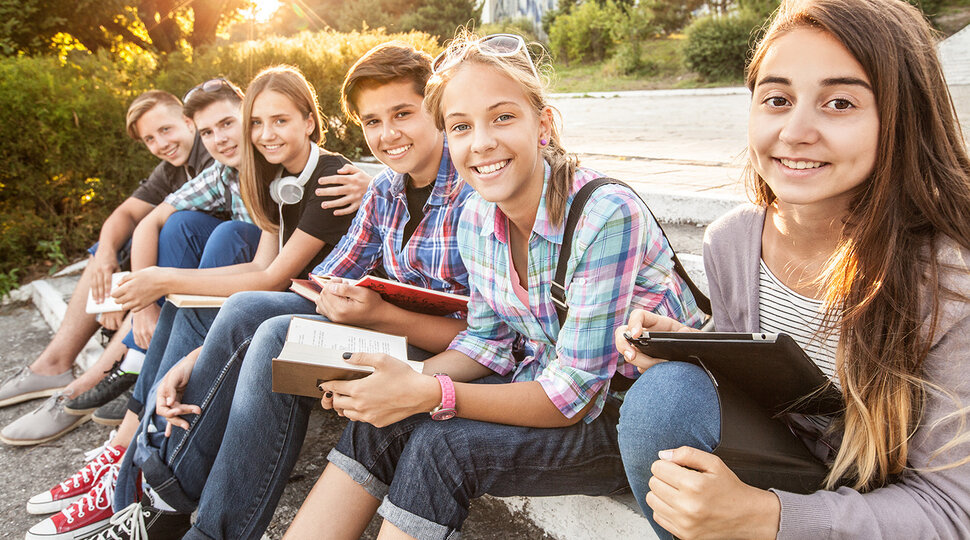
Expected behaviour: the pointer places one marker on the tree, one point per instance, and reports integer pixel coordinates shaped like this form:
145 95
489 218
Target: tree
157 26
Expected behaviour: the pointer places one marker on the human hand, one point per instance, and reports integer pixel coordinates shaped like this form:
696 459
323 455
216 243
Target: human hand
344 303
694 495
103 264
170 390
143 324
139 289
641 321
393 392
112 320
348 185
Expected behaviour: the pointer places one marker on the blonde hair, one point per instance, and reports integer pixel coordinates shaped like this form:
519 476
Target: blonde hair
255 173
146 102
918 192
518 68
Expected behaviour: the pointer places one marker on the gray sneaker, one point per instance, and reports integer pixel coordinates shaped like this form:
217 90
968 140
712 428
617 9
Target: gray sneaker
45 423
26 385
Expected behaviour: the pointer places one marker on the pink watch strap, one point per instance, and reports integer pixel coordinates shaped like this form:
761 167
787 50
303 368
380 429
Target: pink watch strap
447 408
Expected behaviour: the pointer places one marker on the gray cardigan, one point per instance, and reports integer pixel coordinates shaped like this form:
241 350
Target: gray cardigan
921 504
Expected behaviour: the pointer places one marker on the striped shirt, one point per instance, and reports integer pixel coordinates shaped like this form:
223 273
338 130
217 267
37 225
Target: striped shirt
207 193
782 310
619 257
430 259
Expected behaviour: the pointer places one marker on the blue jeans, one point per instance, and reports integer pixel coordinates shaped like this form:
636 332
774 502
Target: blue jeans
191 239
426 472
238 488
672 404
177 467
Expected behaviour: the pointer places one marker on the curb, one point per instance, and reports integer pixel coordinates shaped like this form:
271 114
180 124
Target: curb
722 91
52 307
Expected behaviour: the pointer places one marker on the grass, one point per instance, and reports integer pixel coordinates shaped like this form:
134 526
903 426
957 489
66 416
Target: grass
662 66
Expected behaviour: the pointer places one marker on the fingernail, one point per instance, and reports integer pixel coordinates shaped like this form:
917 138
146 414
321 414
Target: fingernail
347 355
629 355
328 395
666 455
320 386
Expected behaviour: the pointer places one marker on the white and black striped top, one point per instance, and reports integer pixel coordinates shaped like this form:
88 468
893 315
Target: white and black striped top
782 310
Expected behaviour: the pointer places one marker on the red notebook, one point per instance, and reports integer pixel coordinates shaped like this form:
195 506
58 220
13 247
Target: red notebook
406 296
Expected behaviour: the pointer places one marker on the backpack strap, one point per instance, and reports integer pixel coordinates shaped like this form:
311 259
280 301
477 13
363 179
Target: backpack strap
576 209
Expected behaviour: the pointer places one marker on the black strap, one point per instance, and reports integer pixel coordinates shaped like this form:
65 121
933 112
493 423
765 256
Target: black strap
575 211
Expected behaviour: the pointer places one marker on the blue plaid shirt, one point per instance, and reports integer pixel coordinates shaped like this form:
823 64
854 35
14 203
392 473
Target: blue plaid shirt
207 193
430 259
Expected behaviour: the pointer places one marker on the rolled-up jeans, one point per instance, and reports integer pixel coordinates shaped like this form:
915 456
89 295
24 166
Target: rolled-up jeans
426 472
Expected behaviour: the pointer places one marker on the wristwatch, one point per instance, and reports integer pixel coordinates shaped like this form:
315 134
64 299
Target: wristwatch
446 410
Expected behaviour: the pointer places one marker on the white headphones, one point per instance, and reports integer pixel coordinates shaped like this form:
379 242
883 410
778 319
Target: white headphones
289 189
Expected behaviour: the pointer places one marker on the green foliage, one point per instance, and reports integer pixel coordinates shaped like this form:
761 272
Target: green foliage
67 162
8 282
51 250
718 45
435 17
630 32
762 8
522 26
586 33
671 15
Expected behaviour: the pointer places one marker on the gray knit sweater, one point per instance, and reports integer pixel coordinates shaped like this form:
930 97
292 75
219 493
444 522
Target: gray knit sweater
921 504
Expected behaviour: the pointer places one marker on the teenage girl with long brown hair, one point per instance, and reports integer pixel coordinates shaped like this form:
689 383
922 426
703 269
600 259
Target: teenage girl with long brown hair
858 245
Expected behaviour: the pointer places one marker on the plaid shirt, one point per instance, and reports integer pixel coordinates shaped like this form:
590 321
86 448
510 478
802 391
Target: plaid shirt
619 257
430 259
207 193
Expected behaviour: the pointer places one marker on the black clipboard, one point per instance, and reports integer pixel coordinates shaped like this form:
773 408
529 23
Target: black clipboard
770 368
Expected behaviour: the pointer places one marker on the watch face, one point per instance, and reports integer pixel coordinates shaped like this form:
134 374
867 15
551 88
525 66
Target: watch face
443 414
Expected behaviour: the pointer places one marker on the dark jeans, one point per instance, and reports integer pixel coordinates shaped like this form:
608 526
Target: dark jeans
426 472
177 467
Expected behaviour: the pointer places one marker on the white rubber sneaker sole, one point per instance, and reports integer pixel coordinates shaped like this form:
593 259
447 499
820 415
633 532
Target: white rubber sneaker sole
20 398
61 433
45 530
42 504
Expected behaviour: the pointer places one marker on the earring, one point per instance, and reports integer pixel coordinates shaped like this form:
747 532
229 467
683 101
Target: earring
543 142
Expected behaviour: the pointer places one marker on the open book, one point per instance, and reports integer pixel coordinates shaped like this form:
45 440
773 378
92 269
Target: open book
313 353
409 297
195 300
109 305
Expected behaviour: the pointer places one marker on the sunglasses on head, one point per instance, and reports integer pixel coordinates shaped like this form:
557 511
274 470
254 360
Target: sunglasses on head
211 85
499 45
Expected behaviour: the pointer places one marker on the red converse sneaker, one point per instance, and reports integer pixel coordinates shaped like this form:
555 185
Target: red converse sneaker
72 489
87 514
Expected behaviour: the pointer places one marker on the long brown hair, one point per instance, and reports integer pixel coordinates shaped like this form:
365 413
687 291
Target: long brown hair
516 67
885 269
255 173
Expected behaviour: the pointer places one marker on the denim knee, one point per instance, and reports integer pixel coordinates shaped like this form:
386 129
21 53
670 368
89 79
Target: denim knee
232 242
183 237
672 404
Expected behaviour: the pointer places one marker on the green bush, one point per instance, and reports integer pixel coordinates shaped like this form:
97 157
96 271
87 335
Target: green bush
718 45
522 26
585 33
66 160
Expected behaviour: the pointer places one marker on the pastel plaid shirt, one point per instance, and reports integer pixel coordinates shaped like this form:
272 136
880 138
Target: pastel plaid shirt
430 259
619 258
207 193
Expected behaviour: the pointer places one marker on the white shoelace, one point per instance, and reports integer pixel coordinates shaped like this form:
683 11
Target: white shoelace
96 461
98 498
131 520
